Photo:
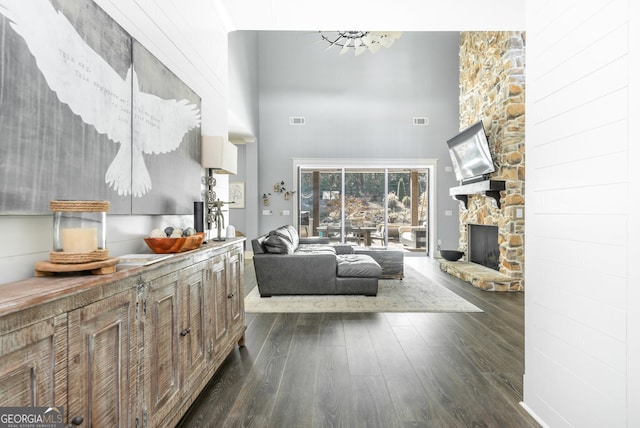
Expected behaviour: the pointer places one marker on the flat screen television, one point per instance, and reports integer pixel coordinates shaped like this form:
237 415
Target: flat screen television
470 154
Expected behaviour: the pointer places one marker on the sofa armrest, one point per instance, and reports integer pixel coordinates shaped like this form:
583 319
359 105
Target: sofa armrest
295 273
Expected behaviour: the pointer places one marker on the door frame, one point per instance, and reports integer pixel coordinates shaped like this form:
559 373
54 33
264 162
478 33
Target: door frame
420 163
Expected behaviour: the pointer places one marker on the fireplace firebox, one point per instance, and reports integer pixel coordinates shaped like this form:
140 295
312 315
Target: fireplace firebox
483 245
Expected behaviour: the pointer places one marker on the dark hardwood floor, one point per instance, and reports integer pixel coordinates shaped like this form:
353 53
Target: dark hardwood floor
375 370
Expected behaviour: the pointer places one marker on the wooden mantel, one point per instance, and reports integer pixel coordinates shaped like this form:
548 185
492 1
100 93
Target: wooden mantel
489 188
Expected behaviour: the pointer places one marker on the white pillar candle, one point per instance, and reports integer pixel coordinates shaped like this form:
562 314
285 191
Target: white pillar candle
79 240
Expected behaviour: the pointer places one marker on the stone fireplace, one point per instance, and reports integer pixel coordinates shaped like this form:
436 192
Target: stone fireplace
492 89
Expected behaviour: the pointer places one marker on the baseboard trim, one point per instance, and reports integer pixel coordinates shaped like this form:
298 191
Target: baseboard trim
533 414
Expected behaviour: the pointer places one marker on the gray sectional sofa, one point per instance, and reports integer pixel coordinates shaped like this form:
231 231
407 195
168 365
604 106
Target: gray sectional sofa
285 264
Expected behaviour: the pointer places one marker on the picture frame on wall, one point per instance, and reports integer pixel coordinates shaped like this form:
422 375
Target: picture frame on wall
236 194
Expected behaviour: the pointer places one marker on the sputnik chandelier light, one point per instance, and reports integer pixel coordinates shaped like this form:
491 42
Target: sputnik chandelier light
359 41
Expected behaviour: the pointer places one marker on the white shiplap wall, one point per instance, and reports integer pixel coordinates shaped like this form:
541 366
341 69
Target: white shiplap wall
191 40
578 213
633 236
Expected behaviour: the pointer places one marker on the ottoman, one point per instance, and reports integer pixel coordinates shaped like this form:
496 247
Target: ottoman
391 261
357 274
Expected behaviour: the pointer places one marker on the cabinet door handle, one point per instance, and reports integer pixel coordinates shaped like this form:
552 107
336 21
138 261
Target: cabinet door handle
185 332
230 296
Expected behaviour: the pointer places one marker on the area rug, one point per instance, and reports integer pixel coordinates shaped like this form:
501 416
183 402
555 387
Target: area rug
415 293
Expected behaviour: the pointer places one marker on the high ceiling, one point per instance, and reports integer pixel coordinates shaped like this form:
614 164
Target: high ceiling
378 15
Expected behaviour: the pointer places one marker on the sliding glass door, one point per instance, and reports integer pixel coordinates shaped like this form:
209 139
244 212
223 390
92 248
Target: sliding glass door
365 206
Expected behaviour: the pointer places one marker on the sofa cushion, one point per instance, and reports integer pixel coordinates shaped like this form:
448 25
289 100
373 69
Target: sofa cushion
357 265
316 249
289 233
294 237
278 244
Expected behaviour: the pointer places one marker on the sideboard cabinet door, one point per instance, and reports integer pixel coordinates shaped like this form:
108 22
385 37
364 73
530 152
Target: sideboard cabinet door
192 324
235 294
217 309
102 366
33 365
175 346
161 352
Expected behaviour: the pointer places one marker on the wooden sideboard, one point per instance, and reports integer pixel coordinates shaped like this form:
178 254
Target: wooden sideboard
132 348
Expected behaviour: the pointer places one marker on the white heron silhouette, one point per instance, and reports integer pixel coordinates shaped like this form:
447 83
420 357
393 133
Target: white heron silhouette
85 82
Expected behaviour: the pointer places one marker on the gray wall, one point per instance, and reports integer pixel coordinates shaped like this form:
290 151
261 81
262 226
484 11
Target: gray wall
356 107
243 104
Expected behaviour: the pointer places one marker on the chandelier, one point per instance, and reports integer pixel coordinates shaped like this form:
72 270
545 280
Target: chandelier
359 41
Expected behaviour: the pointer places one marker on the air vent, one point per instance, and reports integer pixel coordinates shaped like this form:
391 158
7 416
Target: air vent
420 121
296 121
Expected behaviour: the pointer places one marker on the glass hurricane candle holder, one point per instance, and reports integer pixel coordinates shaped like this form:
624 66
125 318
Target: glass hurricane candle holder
79 231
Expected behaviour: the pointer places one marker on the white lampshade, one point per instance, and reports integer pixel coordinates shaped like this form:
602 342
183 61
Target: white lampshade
219 154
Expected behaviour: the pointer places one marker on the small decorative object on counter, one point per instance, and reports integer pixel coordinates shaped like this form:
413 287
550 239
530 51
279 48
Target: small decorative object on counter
174 240
218 218
79 231
79 239
231 231
173 244
198 216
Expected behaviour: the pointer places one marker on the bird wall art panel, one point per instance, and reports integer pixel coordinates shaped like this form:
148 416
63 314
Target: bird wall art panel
68 125
166 139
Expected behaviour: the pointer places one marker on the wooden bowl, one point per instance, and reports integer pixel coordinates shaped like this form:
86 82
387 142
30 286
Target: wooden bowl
175 245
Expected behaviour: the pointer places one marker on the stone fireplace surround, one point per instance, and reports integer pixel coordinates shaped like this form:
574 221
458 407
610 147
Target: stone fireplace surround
492 89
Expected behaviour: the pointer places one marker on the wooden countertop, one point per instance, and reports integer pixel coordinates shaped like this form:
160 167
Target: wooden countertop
48 291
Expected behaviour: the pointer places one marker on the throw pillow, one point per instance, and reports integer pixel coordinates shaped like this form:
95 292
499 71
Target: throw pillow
277 244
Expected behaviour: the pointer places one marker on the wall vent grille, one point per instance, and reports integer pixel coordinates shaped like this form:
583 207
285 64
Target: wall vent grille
420 121
296 120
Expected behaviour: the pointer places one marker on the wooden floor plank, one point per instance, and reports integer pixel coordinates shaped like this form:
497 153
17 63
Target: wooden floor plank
375 370
408 395
333 398
372 404
360 352
254 404
446 385
298 378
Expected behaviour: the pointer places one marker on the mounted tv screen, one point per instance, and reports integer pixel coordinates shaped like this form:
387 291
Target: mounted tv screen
470 154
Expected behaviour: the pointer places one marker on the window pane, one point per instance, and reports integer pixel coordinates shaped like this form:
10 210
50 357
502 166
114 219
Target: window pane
364 206
320 202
